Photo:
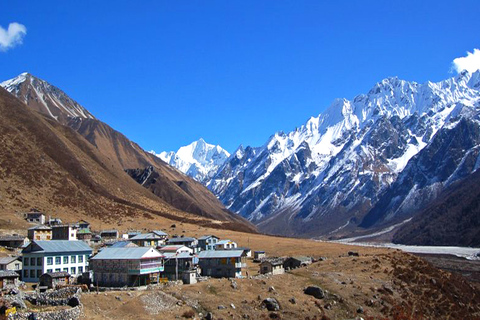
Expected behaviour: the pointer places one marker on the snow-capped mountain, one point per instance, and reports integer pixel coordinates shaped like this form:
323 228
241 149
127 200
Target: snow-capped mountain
199 159
45 98
324 177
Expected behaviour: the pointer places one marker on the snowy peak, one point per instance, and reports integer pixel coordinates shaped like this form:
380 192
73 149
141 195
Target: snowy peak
313 180
45 98
199 159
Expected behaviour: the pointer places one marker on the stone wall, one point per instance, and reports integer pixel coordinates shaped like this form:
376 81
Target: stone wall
68 314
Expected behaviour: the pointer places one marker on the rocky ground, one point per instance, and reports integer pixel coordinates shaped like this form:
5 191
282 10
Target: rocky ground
379 284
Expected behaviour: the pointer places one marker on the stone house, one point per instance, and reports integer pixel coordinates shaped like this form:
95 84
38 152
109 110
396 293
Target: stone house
8 279
222 263
296 262
35 217
11 264
272 266
41 233
52 280
84 234
109 234
14 241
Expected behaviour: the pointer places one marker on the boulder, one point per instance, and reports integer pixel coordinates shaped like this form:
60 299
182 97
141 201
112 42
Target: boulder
315 291
271 304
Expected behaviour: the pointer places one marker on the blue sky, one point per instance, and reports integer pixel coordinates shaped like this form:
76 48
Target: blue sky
166 73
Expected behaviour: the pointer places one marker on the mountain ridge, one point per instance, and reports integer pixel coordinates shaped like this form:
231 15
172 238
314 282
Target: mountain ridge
326 175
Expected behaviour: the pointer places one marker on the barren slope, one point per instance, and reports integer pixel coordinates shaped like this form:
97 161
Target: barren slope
176 189
46 165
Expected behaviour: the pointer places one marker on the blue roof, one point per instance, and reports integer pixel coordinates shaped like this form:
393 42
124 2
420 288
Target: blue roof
160 232
147 236
57 246
207 237
120 244
123 253
210 254
181 239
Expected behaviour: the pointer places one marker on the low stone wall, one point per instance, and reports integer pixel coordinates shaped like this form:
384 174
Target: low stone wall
67 314
139 288
61 297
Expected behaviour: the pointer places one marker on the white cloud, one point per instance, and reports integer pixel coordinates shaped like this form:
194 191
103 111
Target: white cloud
471 62
12 36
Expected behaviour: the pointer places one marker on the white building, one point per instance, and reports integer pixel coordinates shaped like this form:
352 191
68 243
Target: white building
175 249
40 257
225 245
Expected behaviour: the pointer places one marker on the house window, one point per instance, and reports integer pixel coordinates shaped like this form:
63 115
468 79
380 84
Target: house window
73 259
49 261
49 270
65 260
73 270
17 266
57 270
58 260
32 261
25 273
25 261
32 273
39 261
80 269
39 273
65 269
80 259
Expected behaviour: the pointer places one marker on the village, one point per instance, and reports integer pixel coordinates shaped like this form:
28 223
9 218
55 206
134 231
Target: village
55 258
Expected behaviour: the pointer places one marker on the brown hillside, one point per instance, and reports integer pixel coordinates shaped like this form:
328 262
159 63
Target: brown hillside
176 189
46 165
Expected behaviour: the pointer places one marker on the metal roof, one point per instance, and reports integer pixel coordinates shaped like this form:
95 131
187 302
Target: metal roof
160 232
146 236
123 244
301 258
171 247
181 239
206 237
109 231
58 274
224 242
55 246
123 253
273 261
8 274
211 254
12 238
181 255
40 227
7 260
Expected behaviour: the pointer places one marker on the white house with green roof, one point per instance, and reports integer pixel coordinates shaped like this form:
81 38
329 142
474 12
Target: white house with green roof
40 257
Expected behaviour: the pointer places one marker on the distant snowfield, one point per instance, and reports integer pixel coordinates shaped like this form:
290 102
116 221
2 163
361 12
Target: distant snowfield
464 252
